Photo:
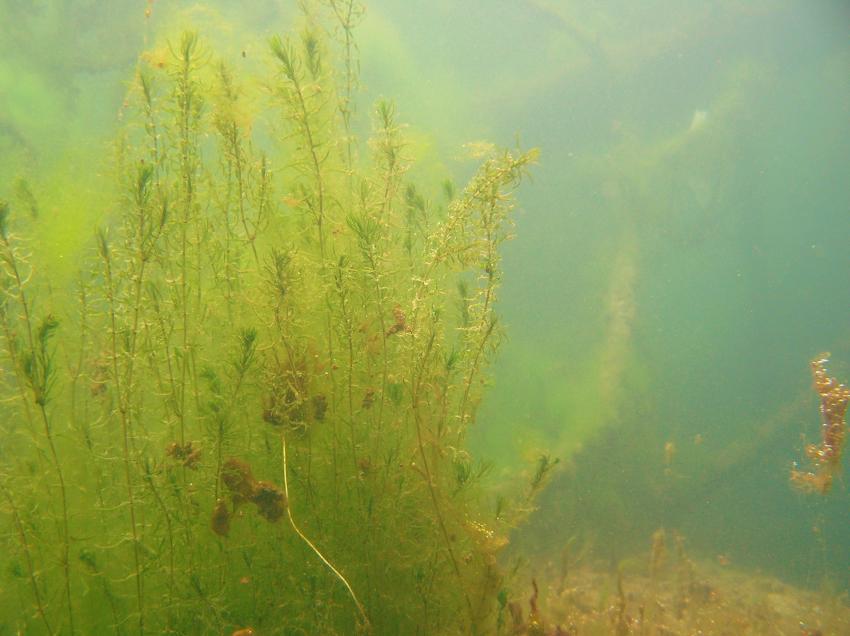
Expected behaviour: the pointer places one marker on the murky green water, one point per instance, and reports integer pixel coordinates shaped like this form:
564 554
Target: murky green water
271 363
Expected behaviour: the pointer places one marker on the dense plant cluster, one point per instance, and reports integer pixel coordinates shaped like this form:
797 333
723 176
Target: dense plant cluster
254 414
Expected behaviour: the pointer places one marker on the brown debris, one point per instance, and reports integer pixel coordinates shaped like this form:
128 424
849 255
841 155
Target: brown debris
320 407
399 322
682 597
270 500
220 521
239 480
186 454
368 399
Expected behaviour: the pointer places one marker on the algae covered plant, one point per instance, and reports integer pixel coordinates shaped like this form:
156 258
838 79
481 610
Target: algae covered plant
251 414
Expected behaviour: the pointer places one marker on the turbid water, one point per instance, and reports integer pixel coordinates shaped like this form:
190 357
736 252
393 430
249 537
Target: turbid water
424 317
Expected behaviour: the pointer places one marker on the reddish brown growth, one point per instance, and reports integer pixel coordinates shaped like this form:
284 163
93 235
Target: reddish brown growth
220 522
270 500
534 625
399 322
239 480
826 456
186 453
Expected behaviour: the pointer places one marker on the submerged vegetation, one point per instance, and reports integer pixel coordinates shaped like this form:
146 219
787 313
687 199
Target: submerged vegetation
253 418
826 456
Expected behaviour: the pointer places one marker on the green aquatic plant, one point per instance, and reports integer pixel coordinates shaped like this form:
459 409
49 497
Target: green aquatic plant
332 339
37 371
365 620
27 552
123 382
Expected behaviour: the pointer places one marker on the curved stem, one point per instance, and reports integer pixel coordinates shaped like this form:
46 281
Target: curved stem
312 546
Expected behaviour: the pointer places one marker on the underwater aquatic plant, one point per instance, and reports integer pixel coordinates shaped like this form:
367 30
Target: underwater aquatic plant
314 339
825 457
35 369
25 548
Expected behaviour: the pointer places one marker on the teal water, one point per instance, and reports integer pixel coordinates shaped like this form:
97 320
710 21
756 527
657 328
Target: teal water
678 257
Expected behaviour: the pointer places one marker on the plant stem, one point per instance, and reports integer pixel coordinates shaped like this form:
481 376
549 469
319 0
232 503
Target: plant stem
124 398
40 397
432 488
22 537
311 545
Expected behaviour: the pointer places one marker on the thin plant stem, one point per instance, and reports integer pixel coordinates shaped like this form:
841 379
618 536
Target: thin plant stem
311 545
124 397
39 390
429 479
22 537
